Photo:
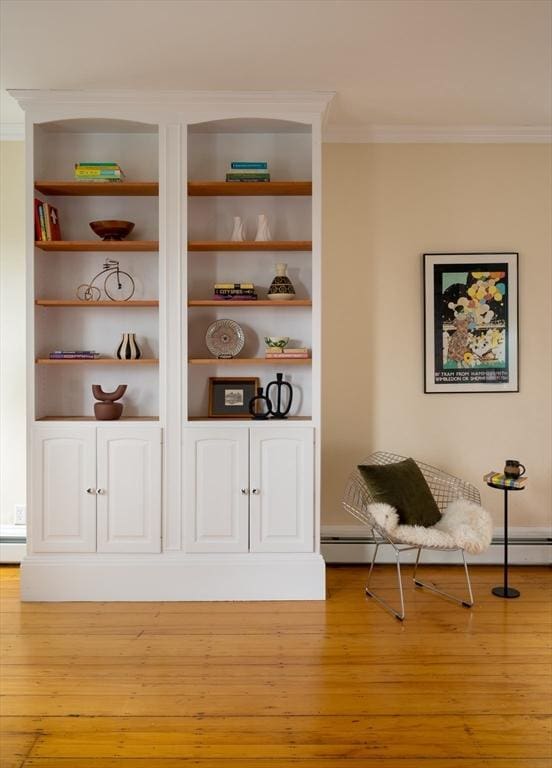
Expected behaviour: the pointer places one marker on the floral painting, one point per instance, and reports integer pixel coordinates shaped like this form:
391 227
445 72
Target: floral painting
471 322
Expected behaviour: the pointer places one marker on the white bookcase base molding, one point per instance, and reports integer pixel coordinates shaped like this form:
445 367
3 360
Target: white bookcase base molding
173 578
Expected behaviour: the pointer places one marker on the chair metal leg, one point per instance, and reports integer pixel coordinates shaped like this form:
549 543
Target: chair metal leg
397 614
433 588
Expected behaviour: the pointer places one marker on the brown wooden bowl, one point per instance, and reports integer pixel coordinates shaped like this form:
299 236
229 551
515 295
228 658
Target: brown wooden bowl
112 229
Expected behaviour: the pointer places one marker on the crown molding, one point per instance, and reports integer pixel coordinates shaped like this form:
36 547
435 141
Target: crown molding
333 134
314 101
437 134
12 131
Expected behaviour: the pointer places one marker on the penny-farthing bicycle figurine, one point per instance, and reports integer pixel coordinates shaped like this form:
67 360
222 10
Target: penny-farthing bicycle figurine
118 285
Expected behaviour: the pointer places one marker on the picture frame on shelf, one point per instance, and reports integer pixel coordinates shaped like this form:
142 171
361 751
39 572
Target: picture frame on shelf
229 396
471 322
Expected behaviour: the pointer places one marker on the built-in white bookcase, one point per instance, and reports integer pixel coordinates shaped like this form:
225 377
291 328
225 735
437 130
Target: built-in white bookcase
287 147
64 390
187 507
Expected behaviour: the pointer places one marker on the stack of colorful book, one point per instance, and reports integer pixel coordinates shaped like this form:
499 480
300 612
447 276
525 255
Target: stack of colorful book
83 354
234 292
101 172
501 481
46 221
287 353
245 170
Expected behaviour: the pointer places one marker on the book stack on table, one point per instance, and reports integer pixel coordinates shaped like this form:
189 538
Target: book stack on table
98 172
245 170
287 353
85 354
501 481
234 292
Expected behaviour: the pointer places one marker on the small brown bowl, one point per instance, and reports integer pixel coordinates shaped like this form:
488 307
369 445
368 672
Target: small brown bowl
111 229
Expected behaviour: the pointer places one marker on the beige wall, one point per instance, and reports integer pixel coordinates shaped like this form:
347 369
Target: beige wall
385 205
12 329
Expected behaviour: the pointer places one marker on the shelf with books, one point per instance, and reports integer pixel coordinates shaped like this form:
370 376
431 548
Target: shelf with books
250 245
248 188
257 303
237 361
97 361
102 303
127 246
93 188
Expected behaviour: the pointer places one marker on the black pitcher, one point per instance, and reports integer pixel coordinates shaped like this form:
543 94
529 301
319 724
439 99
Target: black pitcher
256 403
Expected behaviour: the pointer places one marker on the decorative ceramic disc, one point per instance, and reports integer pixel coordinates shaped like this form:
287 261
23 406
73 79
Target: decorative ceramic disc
225 338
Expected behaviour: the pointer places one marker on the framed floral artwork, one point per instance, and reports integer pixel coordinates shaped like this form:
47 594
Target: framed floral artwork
471 322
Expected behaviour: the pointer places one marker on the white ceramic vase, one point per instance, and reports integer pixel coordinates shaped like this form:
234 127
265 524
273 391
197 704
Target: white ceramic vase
263 232
237 232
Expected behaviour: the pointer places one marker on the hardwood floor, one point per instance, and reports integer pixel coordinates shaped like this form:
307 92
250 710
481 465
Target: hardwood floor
275 685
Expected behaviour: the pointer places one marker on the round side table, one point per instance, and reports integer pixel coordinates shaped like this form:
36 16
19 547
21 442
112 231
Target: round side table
505 590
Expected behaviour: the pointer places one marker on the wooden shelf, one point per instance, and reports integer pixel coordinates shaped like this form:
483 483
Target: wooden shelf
195 188
102 303
93 418
250 245
250 418
97 245
248 361
86 188
97 361
257 303
248 188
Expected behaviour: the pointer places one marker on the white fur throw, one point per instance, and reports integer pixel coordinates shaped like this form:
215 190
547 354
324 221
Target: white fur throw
463 524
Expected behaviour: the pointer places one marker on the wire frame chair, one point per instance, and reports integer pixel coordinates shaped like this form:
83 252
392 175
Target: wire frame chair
444 488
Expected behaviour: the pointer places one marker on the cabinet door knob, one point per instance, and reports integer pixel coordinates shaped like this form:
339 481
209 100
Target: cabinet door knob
256 491
90 490
245 491
101 491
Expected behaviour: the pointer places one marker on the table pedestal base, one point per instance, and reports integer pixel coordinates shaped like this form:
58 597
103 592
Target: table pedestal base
508 592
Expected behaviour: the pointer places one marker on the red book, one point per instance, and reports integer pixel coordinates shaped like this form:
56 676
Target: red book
53 221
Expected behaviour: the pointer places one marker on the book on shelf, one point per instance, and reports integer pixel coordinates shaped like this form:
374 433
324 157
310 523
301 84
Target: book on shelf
98 172
234 291
287 350
234 285
501 481
247 177
237 297
287 356
85 354
245 165
98 180
40 229
97 165
46 221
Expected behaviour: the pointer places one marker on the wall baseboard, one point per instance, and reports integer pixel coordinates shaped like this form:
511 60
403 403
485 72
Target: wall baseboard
13 543
338 546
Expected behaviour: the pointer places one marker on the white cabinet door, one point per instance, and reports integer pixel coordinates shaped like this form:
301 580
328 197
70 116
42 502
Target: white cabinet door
282 489
63 512
129 489
216 482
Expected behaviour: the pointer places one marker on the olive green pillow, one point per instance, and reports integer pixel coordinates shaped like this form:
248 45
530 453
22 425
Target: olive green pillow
403 486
